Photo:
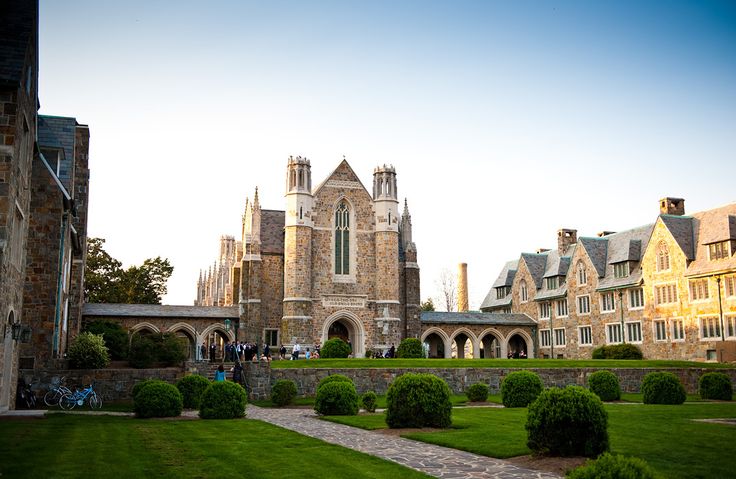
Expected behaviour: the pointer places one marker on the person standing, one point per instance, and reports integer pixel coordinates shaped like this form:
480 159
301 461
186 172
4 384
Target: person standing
203 351
220 373
282 352
295 352
213 349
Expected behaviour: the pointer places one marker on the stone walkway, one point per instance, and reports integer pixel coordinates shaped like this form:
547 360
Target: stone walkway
434 460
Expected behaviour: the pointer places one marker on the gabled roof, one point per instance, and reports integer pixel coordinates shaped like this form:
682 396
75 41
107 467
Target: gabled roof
58 132
474 317
597 249
272 231
681 228
628 246
18 23
343 172
535 263
713 226
505 278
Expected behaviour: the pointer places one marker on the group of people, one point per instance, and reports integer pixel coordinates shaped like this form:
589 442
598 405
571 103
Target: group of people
237 351
516 355
297 349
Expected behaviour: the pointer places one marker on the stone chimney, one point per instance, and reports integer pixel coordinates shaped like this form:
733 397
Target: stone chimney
462 287
672 206
565 238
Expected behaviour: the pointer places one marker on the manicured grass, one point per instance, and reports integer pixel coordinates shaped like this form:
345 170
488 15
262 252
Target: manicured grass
639 397
664 436
490 363
455 399
102 446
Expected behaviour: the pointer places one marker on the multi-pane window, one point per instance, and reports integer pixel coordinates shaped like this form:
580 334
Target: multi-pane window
613 333
730 326
665 293
545 338
502 292
582 274
552 282
560 337
730 285
16 242
699 289
678 330
621 270
584 304
710 328
545 310
608 302
718 250
271 337
562 308
636 298
585 336
633 332
663 257
523 291
342 239
660 330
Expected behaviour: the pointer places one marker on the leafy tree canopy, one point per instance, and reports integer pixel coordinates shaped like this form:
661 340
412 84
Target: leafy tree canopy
105 280
427 305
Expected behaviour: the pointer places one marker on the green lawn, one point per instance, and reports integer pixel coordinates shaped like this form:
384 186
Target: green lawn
73 446
455 399
664 436
491 363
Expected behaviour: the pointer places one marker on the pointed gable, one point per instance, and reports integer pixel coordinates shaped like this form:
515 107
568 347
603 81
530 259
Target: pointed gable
681 229
536 264
713 226
597 249
342 177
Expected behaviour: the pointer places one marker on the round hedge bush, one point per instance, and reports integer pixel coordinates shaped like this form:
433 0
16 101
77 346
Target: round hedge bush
604 384
337 398
283 392
715 386
410 348
88 351
369 400
418 400
334 378
567 422
520 388
618 351
614 467
223 400
334 348
139 385
662 388
158 399
191 388
478 392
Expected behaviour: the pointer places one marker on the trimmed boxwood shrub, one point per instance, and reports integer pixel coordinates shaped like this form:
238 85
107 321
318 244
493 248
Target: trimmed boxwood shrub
139 385
334 348
369 400
283 392
418 400
662 388
158 399
88 351
410 348
604 384
223 400
337 398
567 422
618 351
191 388
478 392
614 467
715 386
334 378
520 388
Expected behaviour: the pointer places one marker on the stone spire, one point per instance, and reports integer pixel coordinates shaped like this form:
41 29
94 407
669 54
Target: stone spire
405 229
252 223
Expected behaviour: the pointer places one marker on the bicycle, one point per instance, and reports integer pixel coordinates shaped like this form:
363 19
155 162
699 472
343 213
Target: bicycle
53 396
70 400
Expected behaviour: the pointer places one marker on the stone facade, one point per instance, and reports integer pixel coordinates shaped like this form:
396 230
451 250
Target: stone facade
668 287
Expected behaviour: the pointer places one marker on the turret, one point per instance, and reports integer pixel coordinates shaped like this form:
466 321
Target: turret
384 199
252 226
299 198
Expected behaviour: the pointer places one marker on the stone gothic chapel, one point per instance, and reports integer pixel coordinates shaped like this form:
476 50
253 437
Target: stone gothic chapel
339 262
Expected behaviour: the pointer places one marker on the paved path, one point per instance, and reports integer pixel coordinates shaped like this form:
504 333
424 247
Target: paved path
434 460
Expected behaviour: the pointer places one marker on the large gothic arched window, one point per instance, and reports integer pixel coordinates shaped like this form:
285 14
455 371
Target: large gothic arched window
523 291
342 239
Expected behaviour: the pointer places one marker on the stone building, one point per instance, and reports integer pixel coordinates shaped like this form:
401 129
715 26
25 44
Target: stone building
338 262
669 287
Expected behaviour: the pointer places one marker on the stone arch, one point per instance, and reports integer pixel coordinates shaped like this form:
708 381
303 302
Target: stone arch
220 336
493 342
434 350
356 332
461 347
191 335
220 329
523 335
144 326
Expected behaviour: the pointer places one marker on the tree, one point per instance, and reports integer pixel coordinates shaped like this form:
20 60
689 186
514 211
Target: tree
447 290
107 282
427 305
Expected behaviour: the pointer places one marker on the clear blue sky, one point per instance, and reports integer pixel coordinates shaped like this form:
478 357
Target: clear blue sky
505 120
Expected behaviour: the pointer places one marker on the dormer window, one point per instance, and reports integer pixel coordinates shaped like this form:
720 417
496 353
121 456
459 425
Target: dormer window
621 270
502 292
552 282
718 250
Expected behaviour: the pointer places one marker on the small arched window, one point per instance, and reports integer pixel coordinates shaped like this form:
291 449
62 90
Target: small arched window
523 291
342 238
582 274
663 257
292 179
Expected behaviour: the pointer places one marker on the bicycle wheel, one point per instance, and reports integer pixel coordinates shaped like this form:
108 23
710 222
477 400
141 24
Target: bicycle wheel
95 402
67 402
31 401
52 397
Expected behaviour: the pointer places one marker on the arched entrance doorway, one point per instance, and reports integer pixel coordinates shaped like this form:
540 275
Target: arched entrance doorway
462 346
435 346
348 327
186 333
339 330
490 347
215 337
517 347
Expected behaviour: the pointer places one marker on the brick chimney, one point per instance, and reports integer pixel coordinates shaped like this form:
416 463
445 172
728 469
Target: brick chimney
462 287
672 206
565 238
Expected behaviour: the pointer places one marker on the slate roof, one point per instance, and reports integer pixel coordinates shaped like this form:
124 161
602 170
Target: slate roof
681 228
17 27
535 263
160 311
712 226
272 231
475 317
625 246
58 132
505 278
597 249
